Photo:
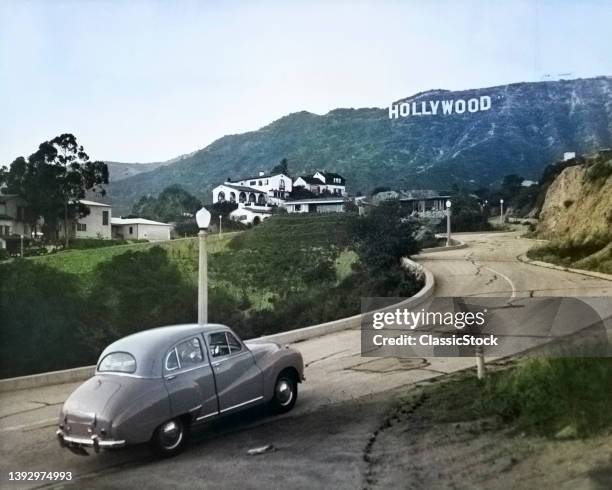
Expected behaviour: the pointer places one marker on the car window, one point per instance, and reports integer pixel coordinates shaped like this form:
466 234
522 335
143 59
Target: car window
172 361
234 345
118 362
190 353
218 344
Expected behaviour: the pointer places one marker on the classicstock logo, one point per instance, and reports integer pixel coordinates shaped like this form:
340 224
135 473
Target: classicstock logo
461 327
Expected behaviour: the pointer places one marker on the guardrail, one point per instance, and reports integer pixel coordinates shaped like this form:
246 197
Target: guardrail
291 336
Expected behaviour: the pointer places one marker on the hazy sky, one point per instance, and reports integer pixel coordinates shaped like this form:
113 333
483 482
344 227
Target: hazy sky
149 80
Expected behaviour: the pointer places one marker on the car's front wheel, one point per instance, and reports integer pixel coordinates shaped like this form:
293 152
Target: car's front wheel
169 438
285 392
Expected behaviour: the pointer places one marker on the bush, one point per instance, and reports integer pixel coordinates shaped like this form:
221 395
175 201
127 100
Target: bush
87 243
547 395
135 291
40 310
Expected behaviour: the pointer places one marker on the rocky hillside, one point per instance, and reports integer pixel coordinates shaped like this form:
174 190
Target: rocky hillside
576 215
526 126
578 203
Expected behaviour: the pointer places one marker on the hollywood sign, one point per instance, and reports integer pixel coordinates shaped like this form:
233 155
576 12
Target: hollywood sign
444 107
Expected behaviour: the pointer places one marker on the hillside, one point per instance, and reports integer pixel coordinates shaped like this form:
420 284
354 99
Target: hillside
577 215
528 125
119 171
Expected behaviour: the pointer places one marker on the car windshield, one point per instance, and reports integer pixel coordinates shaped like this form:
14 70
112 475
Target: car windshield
118 362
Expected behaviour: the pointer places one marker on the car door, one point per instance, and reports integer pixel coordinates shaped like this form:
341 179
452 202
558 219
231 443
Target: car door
189 380
239 379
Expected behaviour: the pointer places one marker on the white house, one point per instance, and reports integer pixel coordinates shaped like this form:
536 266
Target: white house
97 224
316 205
250 214
321 182
140 229
12 216
265 189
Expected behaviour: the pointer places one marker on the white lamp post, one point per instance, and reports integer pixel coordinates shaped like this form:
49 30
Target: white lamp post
501 211
22 246
220 224
203 220
448 225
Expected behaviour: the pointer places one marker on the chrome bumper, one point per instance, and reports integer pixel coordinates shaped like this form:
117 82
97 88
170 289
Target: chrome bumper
94 442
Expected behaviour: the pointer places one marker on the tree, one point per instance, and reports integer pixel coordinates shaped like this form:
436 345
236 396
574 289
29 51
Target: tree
281 168
54 179
173 204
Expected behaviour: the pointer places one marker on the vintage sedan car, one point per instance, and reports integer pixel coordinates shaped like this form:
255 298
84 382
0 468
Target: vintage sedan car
155 385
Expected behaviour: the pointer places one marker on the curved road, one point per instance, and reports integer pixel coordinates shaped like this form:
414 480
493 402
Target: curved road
322 442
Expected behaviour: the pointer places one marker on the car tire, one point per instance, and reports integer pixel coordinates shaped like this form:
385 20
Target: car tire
285 392
169 438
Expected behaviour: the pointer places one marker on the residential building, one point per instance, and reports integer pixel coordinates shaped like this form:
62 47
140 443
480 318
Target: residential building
250 214
97 224
316 205
422 203
265 189
140 229
322 182
12 216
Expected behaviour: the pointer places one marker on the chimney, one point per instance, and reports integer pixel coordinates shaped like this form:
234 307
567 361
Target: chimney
261 173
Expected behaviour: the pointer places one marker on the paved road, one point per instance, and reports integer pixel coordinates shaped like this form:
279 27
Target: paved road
321 442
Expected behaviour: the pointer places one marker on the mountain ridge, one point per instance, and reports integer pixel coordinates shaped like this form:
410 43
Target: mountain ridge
529 125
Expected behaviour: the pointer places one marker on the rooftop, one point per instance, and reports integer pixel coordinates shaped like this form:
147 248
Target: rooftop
242 188
136 221
93 203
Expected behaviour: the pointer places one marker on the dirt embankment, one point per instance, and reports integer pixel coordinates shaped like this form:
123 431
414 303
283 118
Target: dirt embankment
578 203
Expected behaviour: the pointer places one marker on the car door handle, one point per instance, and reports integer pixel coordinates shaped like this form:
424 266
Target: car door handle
172 376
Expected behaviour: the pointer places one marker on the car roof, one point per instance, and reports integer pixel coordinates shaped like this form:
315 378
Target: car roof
149 346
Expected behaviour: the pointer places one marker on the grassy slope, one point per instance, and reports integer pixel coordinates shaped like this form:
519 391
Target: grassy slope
83 262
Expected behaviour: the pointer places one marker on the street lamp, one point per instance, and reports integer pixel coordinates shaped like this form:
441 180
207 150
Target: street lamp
203 221
448 226
501 211
220 224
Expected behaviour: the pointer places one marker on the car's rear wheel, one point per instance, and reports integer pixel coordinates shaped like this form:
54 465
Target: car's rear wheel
285 392
169 438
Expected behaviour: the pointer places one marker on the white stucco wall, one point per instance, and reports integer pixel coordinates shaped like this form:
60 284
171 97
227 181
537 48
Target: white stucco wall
94 222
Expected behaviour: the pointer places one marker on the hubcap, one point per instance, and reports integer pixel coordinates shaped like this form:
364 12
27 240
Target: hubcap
171 434
284 392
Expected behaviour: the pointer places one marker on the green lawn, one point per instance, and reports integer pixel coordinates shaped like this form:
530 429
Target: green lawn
83 262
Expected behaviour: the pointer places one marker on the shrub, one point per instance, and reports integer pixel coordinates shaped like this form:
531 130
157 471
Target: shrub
547 395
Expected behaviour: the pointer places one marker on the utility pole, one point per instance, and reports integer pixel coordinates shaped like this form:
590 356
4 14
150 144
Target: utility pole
448 223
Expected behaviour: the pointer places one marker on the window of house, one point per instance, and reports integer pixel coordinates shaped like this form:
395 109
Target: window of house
252 182
20 213
259 183
2 208
105 218
5 230
131 230
266 181
81 226
298 207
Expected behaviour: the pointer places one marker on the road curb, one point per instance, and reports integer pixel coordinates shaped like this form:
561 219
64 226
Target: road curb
291 336
458 245
598 275
350 322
